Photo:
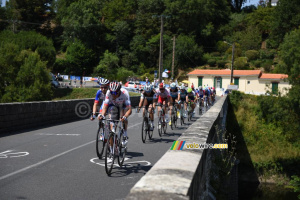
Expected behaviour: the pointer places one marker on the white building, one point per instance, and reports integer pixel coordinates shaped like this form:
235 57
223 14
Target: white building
247 81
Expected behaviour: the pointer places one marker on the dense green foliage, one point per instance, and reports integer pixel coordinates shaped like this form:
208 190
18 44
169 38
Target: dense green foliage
270 127
117 39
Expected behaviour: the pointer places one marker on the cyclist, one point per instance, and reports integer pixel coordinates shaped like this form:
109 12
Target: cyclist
191 97
182 98
104 83
147 97
118 97
174 96
163 98
207 94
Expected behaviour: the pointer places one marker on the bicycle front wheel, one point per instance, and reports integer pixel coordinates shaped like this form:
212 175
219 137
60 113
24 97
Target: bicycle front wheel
144 130
100 143
109 154
122 150
159 126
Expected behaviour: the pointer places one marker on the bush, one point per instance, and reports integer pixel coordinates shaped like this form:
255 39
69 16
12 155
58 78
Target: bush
267 65
257 63
252 55
267 54
215 54
211 62
241 63
221 64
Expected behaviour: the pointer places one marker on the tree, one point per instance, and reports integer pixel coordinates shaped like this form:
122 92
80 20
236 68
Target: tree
31 83
30 40
286 17
80 59
30 14
290 54
108 66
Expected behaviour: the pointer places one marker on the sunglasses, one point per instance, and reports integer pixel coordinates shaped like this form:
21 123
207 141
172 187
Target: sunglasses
113 93
104 88
161 88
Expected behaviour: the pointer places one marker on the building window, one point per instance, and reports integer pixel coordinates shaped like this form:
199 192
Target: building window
248 82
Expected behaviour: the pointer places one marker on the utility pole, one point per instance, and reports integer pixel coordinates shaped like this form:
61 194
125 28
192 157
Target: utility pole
232 61
173 57
161 47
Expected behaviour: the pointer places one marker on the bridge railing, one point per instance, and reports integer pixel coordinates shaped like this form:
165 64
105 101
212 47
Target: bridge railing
186 173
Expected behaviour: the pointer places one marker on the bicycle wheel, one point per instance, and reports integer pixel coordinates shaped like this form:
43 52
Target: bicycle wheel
159 126
100 143
144 129
150 133
122 150
109 154
165 124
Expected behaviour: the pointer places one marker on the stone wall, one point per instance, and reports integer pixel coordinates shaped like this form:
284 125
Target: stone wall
19 116
186 173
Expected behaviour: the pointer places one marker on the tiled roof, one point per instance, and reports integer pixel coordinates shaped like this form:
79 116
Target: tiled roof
274 76
225 72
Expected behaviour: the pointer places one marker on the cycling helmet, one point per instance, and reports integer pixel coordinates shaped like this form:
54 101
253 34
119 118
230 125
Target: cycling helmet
189 90
161 86
148 88
173 86
213 88
182 87
114 86
200 88
104 81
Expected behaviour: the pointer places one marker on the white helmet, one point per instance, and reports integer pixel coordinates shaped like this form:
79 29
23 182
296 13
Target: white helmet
182 87
148 87
114 86
104 81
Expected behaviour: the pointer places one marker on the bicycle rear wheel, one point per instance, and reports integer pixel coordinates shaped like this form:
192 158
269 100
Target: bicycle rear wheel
100 143
144 129
122 150
109 154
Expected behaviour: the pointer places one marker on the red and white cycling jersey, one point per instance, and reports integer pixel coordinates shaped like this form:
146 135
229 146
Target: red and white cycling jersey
164 94
122 100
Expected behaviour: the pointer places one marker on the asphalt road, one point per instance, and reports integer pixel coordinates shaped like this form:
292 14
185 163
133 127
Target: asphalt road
60 162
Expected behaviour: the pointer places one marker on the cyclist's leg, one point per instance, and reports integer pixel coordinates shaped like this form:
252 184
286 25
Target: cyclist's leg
144 106
159 104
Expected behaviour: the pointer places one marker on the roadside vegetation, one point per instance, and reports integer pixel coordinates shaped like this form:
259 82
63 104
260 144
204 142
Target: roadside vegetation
270 127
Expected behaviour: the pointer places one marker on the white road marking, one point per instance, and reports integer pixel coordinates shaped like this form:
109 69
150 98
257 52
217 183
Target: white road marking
128 164
59 134
49 159
11 154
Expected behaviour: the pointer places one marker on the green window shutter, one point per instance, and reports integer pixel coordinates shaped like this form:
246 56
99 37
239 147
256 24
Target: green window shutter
274 88
236 81
199 81
220 82
215 82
